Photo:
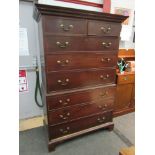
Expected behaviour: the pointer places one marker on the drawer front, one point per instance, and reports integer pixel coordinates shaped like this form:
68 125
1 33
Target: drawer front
78 125
78 78
64 26
100 28
69 99
123 79
68 61
102 43
71 113
63 43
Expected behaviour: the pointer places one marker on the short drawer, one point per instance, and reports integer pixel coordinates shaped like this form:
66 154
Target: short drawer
100 28
124 79
83 110
71 99
78 125
68 61
64 26
79 78
65 43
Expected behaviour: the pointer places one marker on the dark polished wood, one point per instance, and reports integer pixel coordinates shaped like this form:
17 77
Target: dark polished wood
63 80
78 61
65 43
41 9
71 26
86 96
78 111
100 28
69 60
64 26
55 141
78 125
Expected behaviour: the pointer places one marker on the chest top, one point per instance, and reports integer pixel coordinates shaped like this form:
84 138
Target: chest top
41 9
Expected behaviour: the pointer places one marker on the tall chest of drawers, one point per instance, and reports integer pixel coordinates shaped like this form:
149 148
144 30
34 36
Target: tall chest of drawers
78 53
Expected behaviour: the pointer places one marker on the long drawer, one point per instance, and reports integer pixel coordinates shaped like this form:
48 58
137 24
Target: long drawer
79 125
70 113
79 78
79 97
65 43
68 61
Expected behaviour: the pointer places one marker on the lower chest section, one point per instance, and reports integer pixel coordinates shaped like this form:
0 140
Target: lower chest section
72 112
79 125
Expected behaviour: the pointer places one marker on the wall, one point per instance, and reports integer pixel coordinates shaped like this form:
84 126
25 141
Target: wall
27 106
130 4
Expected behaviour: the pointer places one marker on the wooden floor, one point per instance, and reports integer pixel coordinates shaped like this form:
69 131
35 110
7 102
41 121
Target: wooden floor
30 123
127 151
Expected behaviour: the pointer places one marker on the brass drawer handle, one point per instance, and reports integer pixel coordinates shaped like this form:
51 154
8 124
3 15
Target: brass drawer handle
103 106
63 63
65 103
125 78
101 120
62 45
65 117
107 45
65 131
106 30
104 94
104 78
105 59
63 83
66 28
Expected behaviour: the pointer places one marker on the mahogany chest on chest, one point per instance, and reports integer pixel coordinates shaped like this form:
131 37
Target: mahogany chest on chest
78 53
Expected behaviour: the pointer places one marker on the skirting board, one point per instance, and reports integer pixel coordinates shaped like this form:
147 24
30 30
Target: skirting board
30 123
